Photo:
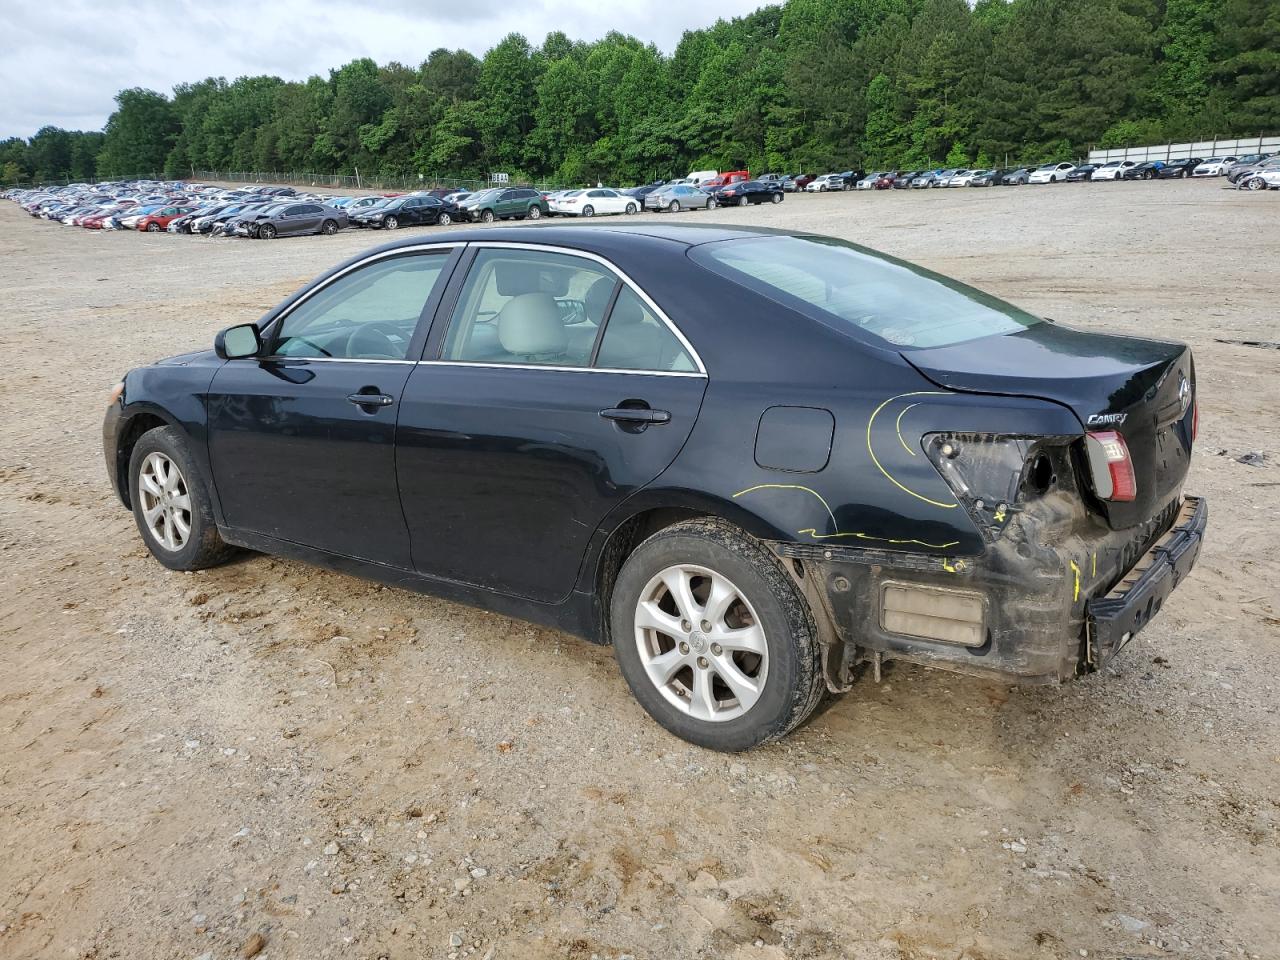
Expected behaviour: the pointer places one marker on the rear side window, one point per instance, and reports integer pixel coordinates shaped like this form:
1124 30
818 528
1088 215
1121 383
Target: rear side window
635 339
859 292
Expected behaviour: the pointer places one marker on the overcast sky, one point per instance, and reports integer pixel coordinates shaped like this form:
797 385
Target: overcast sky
62 61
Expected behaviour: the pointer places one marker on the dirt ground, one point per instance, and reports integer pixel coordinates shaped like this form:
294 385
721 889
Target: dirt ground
194 764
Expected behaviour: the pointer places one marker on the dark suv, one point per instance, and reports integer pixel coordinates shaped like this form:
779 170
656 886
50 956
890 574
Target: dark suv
502 203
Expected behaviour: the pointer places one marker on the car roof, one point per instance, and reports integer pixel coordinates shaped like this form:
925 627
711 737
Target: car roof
592 237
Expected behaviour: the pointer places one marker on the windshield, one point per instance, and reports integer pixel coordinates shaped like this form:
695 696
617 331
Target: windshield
851 288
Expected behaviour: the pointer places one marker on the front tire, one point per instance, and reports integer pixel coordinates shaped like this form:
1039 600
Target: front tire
1257 183
743 201
776 198
713 637
153 227
588 211
171 505
712 203
267 232
631 208
444 220
329 228
486 217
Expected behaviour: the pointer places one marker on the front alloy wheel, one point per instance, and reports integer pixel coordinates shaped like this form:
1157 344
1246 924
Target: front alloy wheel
444 220
486 217
674 206
166 502
267 232
588 211
1257 183
391 223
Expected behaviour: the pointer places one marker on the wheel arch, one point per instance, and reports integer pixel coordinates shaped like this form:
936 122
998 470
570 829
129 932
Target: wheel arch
135 425
619 535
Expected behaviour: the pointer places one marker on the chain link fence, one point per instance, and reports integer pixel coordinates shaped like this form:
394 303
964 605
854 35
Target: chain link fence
327 181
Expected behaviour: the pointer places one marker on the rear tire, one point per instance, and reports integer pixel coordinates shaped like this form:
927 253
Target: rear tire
444 220
743 201
391 223
535 212
588 211
754 676
169 497
329 228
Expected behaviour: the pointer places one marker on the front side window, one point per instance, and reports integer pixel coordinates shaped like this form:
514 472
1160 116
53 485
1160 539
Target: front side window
856 291
529 307
368 314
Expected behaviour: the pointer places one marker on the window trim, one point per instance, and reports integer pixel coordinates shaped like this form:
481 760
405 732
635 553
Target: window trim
700 371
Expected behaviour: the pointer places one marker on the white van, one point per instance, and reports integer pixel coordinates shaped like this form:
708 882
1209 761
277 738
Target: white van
697 176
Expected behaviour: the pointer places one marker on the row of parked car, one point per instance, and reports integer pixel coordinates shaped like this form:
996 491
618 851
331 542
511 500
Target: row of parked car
1255 171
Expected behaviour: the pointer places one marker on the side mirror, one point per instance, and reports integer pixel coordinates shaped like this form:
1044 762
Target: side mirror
235 343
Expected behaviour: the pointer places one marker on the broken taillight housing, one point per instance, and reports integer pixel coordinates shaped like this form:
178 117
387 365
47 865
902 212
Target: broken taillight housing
1111 466
986 472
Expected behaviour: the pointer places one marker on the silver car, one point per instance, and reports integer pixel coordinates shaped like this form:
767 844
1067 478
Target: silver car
679 196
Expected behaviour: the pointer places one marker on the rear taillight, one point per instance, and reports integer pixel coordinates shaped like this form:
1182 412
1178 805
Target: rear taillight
1111 466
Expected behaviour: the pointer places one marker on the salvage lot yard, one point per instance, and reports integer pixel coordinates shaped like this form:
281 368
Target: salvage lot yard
348 770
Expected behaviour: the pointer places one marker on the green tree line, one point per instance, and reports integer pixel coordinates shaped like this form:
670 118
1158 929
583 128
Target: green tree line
805 86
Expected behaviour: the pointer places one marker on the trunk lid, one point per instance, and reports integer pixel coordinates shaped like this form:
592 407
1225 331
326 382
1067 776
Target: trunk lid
1143 389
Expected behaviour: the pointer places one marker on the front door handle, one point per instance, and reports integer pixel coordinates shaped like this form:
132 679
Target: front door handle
371 399
636 415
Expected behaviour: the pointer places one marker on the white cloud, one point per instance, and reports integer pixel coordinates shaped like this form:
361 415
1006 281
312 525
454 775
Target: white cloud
64 61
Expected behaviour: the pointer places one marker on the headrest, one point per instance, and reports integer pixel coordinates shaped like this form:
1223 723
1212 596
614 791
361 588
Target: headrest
597 299
530 325
516 277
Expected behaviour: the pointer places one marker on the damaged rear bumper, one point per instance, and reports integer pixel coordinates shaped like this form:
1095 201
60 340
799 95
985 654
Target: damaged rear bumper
1114 619
1052 598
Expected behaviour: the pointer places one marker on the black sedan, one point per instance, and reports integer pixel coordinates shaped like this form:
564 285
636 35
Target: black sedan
990 178
749 191
409 211
749 460
1149 170
1178 169
1082 172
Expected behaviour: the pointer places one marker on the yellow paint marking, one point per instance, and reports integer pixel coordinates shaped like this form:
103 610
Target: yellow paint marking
999 517
866 536
950 566
1095 566
812 531
1076 570
880 466
898 426
791 486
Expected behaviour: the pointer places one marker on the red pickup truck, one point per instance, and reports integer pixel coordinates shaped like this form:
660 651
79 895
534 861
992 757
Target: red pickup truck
724 179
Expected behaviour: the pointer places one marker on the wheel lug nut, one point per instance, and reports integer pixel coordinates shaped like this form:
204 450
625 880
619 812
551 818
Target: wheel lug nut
706 626
717 649
702 662
684 647
686 626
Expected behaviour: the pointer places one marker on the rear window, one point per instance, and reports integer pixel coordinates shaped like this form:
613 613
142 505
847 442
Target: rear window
856 291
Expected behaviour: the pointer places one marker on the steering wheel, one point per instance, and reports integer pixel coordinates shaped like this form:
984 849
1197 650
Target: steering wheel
370 343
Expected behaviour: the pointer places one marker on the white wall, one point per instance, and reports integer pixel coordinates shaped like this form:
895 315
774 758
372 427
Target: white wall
1179 151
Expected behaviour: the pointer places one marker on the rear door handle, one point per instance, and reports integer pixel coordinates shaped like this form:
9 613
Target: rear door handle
636 415
371 399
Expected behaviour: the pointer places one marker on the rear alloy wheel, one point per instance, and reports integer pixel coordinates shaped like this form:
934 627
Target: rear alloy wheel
391 223
1148 175
329 228
171 505
444 220
631 208
153 227
535 212
486 216
674 206
713 637
588 211
267 232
